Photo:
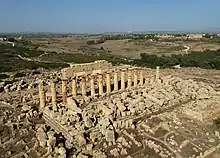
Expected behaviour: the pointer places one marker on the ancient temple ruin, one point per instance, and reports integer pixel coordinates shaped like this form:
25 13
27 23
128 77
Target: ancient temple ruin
95 82
107 102
100 110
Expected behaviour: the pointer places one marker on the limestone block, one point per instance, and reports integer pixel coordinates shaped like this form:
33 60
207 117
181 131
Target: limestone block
106 111
110 136
104 123
88 122
95 135
62 152
114 152
71 104
123 114
159 102
124 152
115 124
124 95
81 140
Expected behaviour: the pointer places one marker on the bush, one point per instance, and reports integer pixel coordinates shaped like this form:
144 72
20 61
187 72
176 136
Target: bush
10 60
3 76
217 122
90 42
19 74
36 72
208 60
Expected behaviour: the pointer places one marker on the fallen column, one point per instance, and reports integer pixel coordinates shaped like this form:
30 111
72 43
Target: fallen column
100 83
83 82
108 82
41 94
115 81
74 91
53 92
64 91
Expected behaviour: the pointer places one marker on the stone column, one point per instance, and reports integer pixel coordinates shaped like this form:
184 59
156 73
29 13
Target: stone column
115 81
157 73
53 92
141 78
74 91
135 78
123 80
41 94
92 84
64 91
83 83
108 82
100 83
129 78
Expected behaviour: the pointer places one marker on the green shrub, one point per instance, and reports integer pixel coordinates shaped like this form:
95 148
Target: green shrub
217 122
19 74
3 76
208 60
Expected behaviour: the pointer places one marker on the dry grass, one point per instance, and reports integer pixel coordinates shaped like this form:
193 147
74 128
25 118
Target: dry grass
123 47
202 46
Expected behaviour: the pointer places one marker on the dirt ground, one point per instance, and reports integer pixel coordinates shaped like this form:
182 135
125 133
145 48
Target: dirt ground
63 44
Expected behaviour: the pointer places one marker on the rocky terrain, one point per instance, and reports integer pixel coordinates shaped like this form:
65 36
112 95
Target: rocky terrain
169 117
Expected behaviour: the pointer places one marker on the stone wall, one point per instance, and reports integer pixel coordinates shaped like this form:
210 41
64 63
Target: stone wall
86 67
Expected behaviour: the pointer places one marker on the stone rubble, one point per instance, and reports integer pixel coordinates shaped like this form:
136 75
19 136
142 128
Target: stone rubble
118 122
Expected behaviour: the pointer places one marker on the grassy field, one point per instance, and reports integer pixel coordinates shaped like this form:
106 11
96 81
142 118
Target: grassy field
28 56
125 47
59 52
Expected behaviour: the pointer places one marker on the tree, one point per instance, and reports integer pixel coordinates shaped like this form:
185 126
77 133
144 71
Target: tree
90 42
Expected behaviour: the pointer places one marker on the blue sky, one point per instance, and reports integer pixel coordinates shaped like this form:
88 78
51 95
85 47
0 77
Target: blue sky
108 15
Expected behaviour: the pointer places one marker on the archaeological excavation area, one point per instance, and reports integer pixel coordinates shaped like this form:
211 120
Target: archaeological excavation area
99 110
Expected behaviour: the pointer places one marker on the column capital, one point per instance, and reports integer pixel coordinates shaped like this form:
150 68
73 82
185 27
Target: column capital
73 77
53 80
64 78
98 71
79 74
131 68
92 75
135 70
108 72
139 68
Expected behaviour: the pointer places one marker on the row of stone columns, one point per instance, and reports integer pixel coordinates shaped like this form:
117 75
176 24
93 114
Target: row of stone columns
130 73
108 82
